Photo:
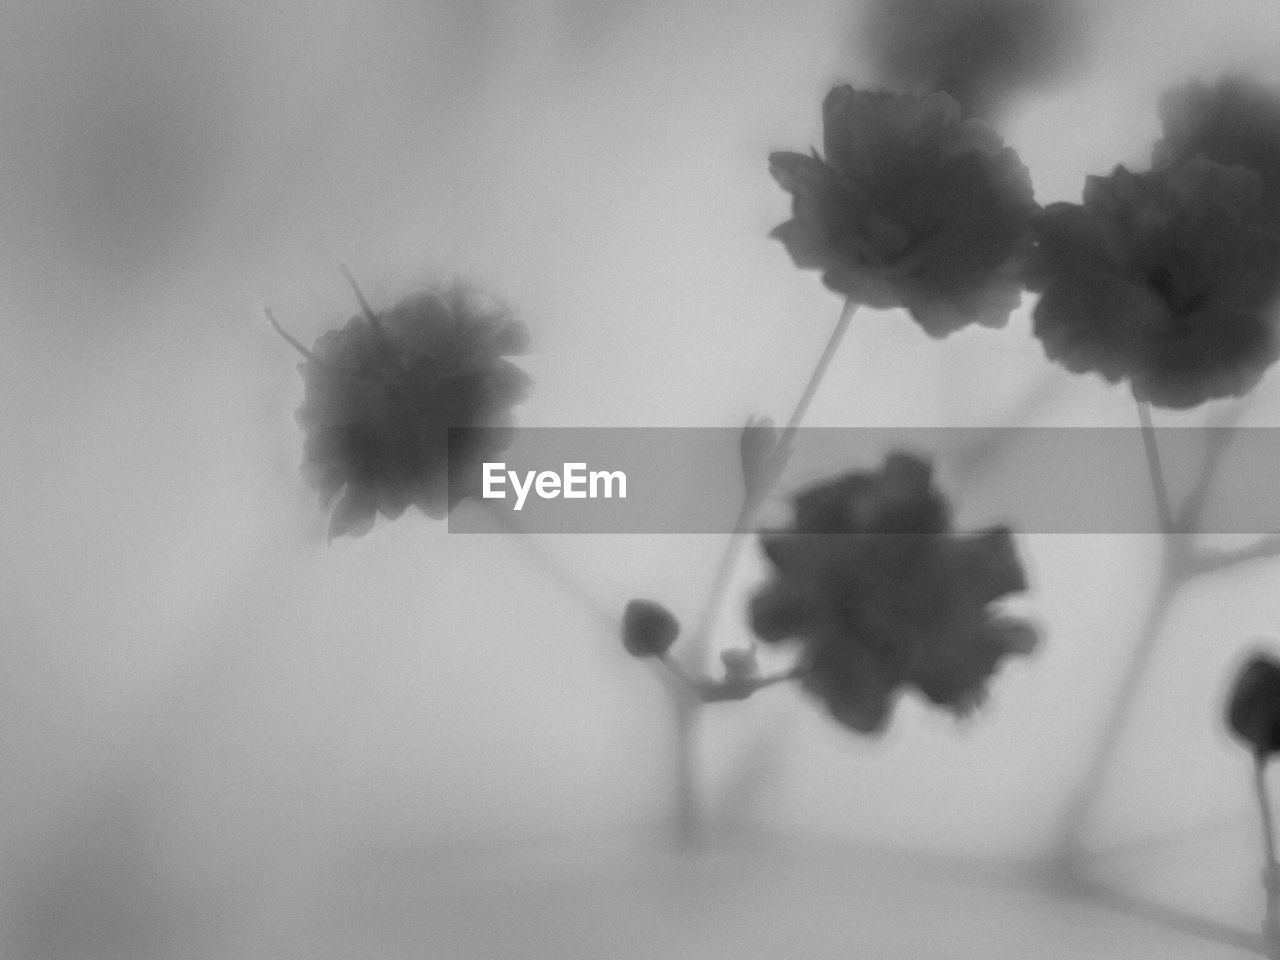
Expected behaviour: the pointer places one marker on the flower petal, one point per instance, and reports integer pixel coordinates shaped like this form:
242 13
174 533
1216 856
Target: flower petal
881 594
1163 279
913 206
382 394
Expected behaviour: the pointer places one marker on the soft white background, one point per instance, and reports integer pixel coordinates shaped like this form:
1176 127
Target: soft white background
204 710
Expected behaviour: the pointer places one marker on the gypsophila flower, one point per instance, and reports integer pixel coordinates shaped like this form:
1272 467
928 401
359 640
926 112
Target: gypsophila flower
981 52
1253 711
1236 122
913 206
882 595
1163 279
383 392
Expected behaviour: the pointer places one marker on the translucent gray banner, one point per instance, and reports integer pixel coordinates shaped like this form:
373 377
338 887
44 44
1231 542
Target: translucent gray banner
1041 480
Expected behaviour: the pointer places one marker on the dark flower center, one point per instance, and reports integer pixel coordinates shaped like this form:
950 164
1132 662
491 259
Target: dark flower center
1181 297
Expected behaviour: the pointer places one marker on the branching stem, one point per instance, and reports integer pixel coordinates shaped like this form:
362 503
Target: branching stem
777 462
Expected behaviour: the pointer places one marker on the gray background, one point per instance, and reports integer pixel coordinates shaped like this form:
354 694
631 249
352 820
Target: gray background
211 724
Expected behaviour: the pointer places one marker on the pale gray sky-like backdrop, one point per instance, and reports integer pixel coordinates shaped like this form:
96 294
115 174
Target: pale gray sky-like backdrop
207 714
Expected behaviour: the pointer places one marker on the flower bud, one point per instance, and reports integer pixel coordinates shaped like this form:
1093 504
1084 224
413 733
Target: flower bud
1253 713
648 629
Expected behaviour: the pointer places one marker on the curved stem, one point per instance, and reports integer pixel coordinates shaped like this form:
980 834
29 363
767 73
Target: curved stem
778 460
290 338
697 691
362 300
707 690
1271 870
688 813
684 699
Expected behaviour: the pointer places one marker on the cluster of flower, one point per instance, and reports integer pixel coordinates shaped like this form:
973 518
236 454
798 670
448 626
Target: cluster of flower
1168 279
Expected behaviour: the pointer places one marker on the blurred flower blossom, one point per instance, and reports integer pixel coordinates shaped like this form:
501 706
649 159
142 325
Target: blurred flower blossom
1235 121
1163 279
882 595
981 52
648 629
913 206
1253 712
383 392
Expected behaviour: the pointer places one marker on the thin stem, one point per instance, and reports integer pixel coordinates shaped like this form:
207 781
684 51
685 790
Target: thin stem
985 446
289 338
720 581
687 708
778 460
1181 561
554 569
707 690
1203 928
815 379
1172 573
1218 439
1264 809
688 812
1081 806
684 699
1205 560
1158 486
1271 870
689 694
372 317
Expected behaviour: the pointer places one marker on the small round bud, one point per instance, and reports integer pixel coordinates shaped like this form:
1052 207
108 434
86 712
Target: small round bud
648 629
1253 713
